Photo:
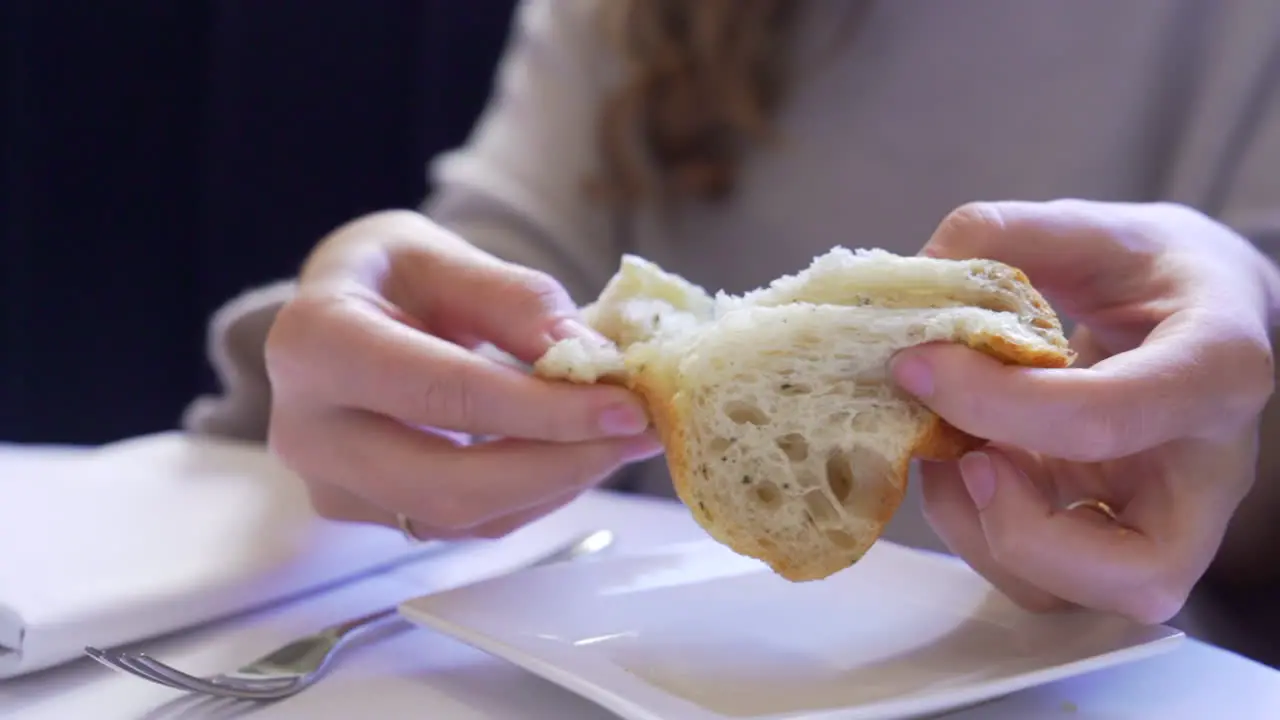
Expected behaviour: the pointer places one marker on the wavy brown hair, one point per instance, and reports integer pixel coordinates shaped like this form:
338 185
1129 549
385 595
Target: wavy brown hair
702 80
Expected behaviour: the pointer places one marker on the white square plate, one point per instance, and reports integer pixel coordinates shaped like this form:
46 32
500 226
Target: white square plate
695 631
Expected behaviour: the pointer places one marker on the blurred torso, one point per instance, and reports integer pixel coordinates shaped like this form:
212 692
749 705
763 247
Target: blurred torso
931 105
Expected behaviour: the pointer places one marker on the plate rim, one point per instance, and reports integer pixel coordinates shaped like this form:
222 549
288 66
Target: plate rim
611 687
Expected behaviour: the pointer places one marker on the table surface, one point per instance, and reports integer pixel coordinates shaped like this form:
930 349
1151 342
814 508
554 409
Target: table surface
414 672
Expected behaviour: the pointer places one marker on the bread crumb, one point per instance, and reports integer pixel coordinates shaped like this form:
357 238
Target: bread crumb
578 361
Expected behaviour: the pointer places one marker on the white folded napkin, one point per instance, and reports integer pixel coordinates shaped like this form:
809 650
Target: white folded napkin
117 544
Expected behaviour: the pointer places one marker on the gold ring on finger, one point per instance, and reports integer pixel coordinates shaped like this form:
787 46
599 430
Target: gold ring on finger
1098 506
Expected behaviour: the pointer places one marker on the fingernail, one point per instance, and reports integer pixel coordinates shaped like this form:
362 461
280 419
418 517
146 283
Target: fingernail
569 328
979 476
912 374
623 420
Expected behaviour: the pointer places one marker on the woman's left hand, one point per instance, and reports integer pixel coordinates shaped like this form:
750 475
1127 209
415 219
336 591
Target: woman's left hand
1157 420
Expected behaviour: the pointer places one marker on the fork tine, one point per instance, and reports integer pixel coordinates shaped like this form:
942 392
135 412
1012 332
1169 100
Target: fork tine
222 685
103 659
130 663
120 663
176 676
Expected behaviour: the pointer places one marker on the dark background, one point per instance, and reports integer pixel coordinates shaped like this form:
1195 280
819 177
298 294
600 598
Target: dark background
159 157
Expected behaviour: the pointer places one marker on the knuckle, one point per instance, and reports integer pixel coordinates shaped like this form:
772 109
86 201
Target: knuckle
287 348
538 290
971 400
327 503
300 445
1007 549
1110 423
447 403
448 512
556 429
1096 437
1167 213
1017 540
975 410
567 422
973 220
1241 365
1255 357
287 443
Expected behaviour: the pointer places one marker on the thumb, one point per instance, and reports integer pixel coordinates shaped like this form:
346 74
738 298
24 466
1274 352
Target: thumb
1073 414
1190 378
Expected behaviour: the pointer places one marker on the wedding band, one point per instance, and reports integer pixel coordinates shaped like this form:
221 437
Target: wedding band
1095 505
406 529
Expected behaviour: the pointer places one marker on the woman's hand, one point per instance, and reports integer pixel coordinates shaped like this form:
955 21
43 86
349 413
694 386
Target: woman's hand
376 386
1158 419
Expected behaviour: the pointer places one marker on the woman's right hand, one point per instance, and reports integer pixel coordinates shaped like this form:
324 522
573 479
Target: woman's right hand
376 385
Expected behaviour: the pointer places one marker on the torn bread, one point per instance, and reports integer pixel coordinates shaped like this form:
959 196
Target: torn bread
783 432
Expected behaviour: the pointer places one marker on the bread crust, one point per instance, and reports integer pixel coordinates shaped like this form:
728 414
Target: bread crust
943 441
1043 320
938 440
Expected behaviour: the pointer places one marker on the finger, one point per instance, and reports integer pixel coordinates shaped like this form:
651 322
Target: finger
435 276
1103 566
1081 255
347 352
434 481
953 516
1088 255
336 503
518 309
333 502
1190 379
1188 505
1087 348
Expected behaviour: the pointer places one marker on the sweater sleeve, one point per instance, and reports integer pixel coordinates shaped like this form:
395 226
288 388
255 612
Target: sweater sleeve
515 189
235 343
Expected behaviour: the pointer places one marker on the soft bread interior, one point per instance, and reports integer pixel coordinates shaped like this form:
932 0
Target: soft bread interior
783 433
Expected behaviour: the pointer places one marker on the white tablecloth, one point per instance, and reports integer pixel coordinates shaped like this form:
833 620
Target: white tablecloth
415 673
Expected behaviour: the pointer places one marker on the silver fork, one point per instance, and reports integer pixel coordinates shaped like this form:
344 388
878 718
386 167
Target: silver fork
294 667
